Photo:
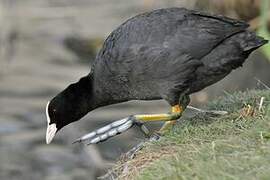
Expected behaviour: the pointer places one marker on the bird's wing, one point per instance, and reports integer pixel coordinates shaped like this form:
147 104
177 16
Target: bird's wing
198 33
163 70
163 44
191 32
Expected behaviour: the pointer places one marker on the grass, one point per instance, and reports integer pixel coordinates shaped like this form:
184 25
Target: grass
263 30
234 146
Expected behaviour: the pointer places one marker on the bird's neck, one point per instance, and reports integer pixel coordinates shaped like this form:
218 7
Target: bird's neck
90 93
77 100
80 96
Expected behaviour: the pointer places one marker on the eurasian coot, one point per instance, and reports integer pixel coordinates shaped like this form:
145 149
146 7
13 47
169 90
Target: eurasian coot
163 54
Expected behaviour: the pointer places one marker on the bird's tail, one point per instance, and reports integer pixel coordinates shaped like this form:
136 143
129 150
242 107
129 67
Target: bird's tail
228 55
249 41
232 52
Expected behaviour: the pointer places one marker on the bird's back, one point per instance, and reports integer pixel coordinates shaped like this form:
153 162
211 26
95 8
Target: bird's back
165 46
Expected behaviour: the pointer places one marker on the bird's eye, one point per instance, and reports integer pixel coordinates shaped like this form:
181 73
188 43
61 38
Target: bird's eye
54 110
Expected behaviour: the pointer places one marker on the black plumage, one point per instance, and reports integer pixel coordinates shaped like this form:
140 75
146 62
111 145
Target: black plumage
162 54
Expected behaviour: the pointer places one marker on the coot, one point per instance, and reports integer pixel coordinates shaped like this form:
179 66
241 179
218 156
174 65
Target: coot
163 54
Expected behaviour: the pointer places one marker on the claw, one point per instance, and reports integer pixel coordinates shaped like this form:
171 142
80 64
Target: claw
110 130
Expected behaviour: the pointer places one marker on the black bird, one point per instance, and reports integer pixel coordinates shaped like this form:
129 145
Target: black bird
163 54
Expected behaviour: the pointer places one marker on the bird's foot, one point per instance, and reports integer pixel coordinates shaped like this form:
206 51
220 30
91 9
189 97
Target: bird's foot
122 125
110 130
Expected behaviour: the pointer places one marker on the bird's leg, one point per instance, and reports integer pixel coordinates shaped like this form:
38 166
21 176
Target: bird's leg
184 100
120 126
123 125
168 125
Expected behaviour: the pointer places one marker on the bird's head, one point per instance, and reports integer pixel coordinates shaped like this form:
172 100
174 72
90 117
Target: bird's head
69 106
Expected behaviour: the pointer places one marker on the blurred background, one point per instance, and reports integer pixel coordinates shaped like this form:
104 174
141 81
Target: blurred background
47 44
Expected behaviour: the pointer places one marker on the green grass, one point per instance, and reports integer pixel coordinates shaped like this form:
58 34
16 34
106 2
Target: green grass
234 146
263 29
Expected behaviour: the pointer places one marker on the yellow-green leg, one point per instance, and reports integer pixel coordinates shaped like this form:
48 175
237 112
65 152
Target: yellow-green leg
167 126
170 118
122 125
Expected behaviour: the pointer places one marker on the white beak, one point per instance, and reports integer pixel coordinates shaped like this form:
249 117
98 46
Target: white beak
51 131
51 128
